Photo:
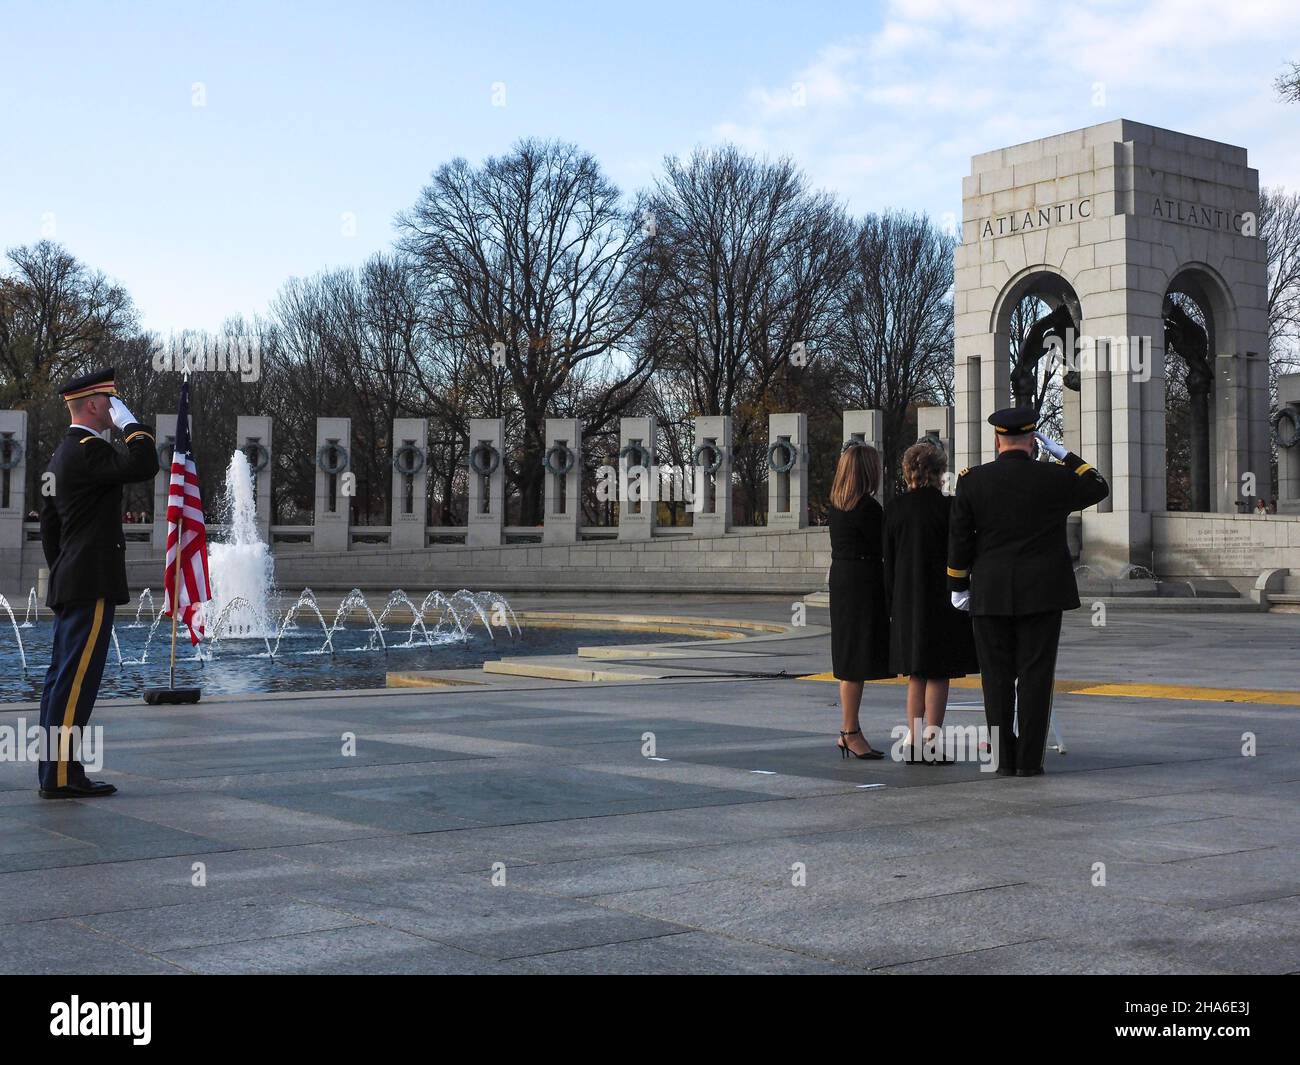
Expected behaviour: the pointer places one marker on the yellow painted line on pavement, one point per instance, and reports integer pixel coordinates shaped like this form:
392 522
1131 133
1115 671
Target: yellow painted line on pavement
1205 695
1131 691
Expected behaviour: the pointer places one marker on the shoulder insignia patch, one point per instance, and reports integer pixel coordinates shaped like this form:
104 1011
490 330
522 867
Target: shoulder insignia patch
964 472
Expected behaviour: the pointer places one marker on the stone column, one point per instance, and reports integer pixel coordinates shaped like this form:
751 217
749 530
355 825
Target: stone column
13 480
563 490
409 510
1096 427
253 434
1114 408
487 491
937 423
334 491
787 493
1239 436
868 427
711 492
638 485
983 385
1288 458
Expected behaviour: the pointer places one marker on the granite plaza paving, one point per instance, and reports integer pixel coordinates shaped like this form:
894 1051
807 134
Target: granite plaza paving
242 839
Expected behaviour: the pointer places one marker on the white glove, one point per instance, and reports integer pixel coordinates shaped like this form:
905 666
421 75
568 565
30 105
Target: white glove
1057 451
961 600
120 413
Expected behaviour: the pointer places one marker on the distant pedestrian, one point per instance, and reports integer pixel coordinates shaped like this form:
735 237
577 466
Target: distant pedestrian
859 615
930 640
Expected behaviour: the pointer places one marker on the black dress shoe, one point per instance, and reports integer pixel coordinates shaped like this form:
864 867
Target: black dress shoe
1003 772
86 789
1030 772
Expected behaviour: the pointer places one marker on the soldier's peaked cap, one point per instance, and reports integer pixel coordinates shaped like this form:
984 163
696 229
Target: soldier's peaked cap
98 382
1012 421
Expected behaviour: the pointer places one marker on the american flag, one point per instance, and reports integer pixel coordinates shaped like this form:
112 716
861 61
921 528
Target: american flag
185 527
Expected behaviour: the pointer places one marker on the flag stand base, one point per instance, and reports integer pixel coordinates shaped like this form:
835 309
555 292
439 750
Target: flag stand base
155 696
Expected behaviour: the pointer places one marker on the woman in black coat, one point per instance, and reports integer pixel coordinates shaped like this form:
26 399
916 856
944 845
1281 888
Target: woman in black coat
930 640
859 615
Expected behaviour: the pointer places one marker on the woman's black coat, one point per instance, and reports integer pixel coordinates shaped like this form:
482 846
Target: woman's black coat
859 614
929 637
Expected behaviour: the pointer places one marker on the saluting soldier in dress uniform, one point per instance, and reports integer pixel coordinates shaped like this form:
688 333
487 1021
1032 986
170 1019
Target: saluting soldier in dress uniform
81 533
1009 564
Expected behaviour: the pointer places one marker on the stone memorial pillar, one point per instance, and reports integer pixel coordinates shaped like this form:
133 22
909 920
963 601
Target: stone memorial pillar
936 423
253 434
13 478
487 483
409 512
334 485
711 476
787 471
1287 430
1116 223
563 458
638 484
868 427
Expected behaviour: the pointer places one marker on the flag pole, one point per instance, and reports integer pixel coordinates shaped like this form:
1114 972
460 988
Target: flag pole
172 694
180 537
176 590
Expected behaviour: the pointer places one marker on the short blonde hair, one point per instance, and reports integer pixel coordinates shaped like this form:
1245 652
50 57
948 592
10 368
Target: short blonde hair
924 464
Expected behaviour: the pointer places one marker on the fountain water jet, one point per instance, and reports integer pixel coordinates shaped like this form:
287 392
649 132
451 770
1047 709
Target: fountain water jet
153 611
4 605
308 600
33 610
242 568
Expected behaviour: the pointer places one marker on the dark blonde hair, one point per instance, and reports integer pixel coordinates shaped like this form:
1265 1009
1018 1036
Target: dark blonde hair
924 464
857 475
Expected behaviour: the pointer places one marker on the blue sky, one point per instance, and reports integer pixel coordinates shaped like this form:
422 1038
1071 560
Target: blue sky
314 112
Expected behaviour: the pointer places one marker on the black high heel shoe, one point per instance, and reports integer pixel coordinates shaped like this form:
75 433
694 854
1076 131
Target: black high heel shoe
846 750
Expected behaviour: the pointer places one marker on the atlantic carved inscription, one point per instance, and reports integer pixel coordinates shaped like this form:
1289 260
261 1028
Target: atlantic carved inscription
1036 218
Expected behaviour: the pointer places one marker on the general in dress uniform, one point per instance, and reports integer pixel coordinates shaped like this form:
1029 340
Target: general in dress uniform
81 534
1009 564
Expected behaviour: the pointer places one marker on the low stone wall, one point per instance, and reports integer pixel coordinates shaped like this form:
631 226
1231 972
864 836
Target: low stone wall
792 563
1235 547
1224 545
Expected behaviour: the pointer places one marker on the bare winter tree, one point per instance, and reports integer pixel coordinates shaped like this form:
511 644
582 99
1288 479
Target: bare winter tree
1279 227
1288 84
536 251
57 315
755 261
897 325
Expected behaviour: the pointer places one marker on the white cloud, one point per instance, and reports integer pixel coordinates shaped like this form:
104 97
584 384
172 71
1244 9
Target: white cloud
890 116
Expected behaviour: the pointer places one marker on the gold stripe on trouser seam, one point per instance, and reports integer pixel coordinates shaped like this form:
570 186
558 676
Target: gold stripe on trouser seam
70 711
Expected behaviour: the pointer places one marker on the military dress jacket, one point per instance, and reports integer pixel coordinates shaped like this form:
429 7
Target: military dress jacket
1006 539
81 520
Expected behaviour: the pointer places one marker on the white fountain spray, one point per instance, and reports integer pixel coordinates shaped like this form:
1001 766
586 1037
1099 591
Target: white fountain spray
13 622
242 569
